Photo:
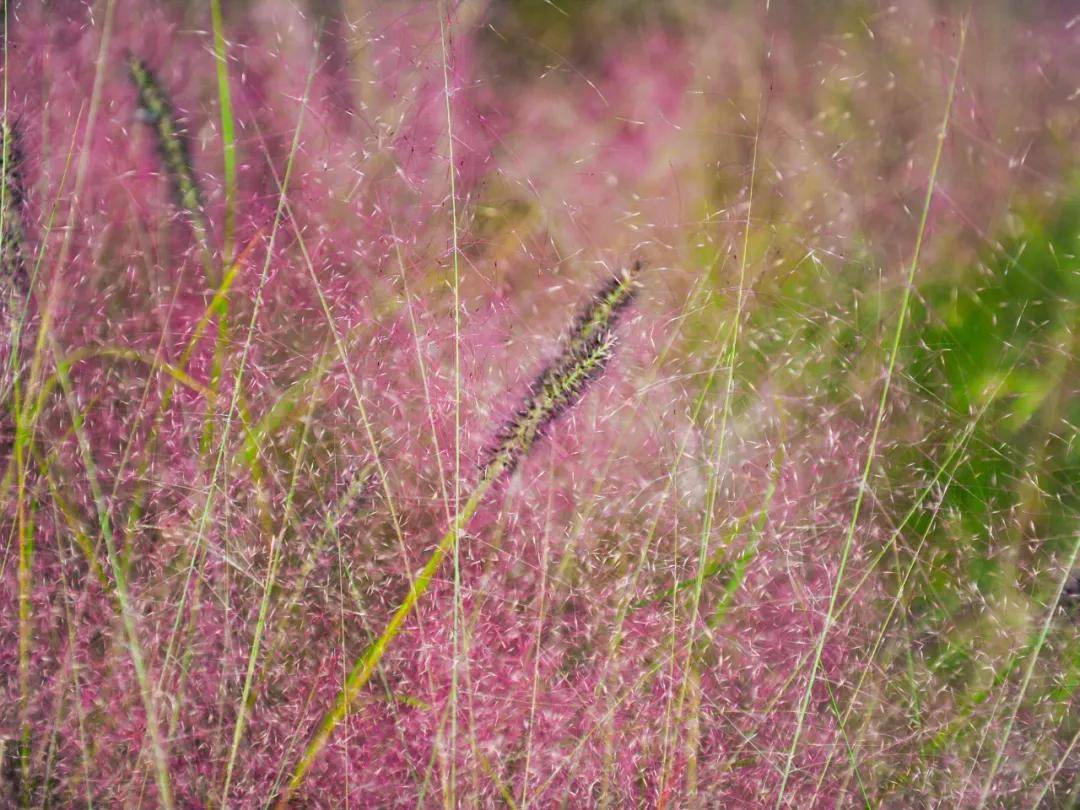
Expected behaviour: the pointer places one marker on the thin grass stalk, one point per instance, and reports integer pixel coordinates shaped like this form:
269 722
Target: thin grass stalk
449 795
494 548
264 604
538 648
138 498
421 366
228 125
1065 759
25 411
339 342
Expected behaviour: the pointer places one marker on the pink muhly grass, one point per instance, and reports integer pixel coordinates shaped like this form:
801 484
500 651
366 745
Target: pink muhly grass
257 382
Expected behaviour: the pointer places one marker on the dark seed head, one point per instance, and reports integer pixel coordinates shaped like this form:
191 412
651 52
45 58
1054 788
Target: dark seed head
584 356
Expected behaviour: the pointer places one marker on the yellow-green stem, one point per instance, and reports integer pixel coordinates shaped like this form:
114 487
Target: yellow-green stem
365 665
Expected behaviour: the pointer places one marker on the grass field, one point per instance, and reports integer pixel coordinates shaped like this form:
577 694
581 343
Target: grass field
540 403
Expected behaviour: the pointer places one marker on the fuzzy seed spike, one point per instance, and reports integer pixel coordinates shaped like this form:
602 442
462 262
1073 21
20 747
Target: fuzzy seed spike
585 355
13 274
157 110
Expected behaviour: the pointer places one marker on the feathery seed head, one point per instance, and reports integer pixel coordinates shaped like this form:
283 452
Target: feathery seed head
156 109
585 355
12 261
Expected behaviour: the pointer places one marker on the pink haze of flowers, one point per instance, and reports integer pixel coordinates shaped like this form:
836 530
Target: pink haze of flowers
582 679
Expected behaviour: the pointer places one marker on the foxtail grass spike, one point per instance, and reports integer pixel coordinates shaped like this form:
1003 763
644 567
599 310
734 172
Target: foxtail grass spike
585 354
13 274
156 109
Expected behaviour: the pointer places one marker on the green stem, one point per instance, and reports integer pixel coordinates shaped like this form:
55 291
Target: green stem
365 665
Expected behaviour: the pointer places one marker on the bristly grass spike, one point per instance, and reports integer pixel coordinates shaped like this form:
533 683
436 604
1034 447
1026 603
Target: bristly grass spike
157 111
13 274
585 354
